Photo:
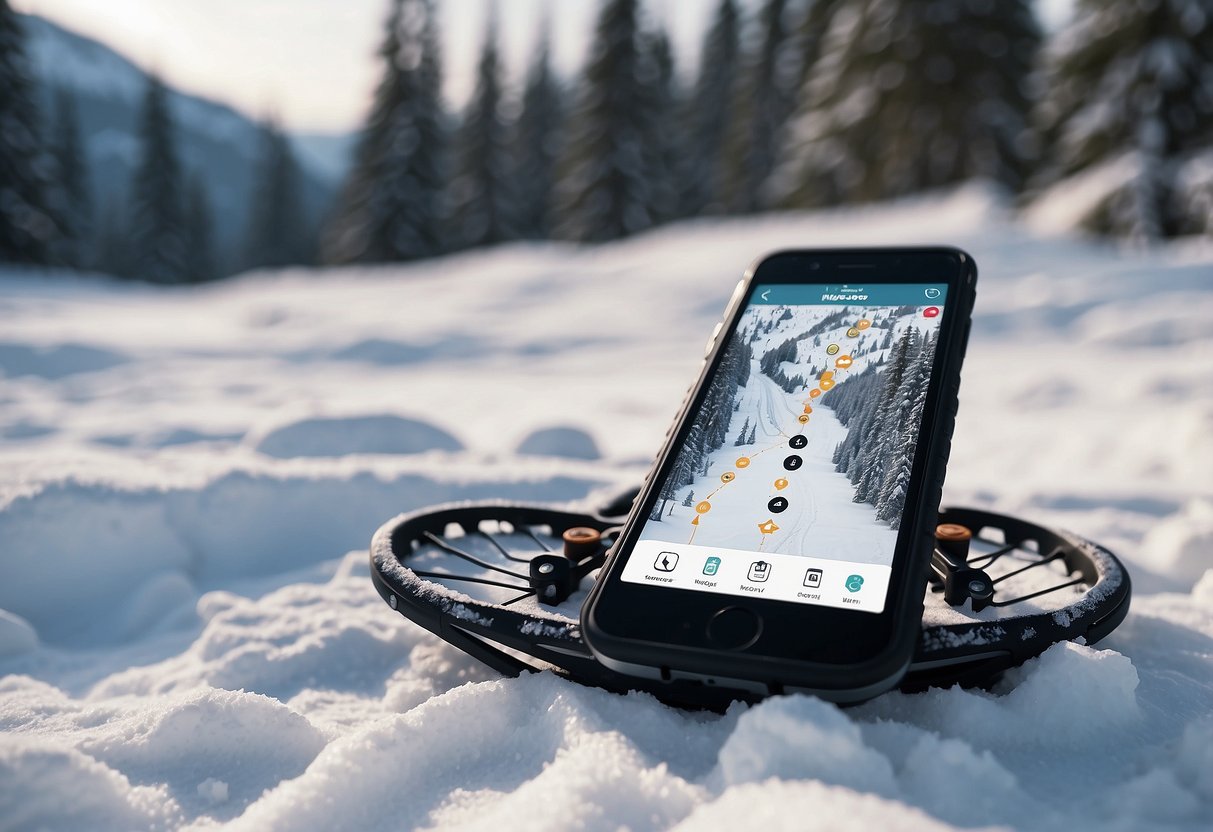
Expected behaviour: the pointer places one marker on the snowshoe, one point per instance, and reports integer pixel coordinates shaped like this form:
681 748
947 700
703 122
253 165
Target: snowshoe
504 582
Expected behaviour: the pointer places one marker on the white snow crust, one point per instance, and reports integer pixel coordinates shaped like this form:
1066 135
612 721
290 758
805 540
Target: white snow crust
189 480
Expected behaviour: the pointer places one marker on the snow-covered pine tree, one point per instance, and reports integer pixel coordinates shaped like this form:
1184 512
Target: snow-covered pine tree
891 501
74 243
111 252
391 205
537 140
762 99
1130 98
753 435
279 232
604 190
199 232
908 95
157 225
482 205
743 434
28 225
664 148
707 114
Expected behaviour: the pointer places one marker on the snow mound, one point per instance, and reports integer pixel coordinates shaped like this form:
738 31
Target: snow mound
247 741
55 362
1181 546
356 435
48 787
569 442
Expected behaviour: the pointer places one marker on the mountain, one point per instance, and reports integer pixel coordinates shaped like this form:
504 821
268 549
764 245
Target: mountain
215 140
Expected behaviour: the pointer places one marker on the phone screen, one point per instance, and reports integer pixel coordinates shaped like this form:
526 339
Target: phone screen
791 480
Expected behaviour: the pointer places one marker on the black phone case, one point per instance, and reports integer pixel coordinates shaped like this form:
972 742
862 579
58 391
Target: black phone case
842 683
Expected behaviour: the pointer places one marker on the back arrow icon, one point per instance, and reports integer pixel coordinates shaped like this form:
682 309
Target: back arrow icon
765 295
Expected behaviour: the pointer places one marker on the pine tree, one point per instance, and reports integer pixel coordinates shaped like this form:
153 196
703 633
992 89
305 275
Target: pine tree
112 247
28 225
664 146
537 141
199 233
390 208
604 190
708 113
690 498
753 435
743 434
908 95
279 233
1130 85
76 216
762 101
157 225
482 205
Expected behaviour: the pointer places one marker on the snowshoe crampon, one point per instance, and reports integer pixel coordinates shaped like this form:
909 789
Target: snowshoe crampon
504 582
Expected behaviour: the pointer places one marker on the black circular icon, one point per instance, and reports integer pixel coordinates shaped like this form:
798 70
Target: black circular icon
792 462
777 505
798 441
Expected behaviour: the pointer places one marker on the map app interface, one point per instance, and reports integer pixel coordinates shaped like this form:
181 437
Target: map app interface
791 482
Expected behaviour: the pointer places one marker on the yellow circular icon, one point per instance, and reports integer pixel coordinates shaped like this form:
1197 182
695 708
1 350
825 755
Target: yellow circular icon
832 349
814 393
843 362
803 418
863 324
827 383
728 476
703 507
853 332
781 484
743 462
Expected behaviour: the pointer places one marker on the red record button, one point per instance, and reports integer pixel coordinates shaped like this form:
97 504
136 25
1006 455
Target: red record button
931 312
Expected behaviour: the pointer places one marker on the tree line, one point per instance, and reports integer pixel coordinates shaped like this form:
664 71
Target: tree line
163 231
810 103
802 104
882 411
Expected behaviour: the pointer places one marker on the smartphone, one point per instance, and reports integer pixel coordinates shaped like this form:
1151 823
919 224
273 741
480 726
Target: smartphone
783 538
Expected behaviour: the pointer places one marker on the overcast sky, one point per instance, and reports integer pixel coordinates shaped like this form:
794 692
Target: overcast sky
312 62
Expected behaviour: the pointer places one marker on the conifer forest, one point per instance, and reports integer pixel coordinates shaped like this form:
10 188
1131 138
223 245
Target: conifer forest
790 104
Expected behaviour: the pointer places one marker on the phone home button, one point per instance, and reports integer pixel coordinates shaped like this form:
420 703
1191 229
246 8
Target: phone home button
734 628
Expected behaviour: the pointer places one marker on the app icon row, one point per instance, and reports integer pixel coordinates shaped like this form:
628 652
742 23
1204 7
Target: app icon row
759 571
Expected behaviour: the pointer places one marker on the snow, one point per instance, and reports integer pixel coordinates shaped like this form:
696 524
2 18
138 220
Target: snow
190 639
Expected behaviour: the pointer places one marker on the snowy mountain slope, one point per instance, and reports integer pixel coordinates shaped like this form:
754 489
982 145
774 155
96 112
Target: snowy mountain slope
191 639
214 138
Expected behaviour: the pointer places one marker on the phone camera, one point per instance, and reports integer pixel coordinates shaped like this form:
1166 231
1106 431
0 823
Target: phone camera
814 265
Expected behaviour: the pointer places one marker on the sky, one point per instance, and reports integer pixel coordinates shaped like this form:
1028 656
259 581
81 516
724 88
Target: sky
312 62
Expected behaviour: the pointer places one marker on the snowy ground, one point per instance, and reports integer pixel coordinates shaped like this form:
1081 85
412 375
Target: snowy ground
189 479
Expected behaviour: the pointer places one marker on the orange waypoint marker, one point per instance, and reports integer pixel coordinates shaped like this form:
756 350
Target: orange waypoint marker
827 383
703 507
863 324
808 408
727 476
781 484
814 393
695 522
826 374
843 362
803 418
768 527
743 462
